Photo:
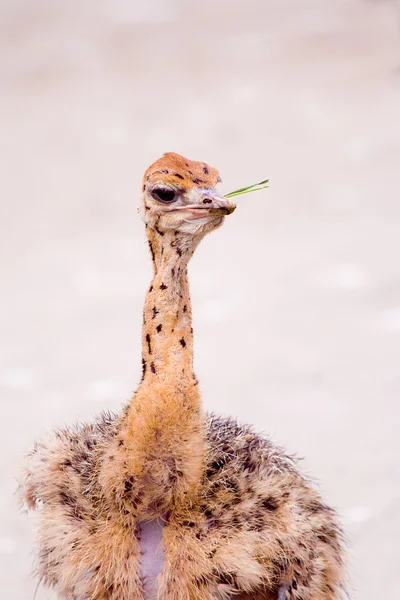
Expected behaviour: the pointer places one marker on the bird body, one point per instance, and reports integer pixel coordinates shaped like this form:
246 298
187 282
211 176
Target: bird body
257 524
164 500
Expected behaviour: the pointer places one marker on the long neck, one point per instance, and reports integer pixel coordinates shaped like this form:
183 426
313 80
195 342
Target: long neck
167 337
163 433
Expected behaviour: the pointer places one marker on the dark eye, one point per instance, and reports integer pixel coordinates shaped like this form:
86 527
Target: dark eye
163 194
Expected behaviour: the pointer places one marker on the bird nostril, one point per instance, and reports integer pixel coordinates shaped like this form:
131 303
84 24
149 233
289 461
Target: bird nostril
207 201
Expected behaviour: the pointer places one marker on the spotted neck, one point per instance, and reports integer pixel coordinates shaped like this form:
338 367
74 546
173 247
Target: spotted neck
167 335
163 433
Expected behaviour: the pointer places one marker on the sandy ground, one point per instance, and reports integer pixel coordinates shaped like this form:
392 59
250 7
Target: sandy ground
296 300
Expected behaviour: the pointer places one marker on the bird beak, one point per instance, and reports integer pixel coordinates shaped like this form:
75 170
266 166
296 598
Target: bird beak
215 203
211 203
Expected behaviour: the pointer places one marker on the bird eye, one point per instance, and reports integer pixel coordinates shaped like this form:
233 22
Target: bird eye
163 194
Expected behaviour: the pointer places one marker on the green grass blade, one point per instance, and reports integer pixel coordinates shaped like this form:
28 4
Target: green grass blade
234 194
250 188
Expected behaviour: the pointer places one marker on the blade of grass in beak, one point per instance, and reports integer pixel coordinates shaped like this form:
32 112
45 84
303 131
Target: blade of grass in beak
250 188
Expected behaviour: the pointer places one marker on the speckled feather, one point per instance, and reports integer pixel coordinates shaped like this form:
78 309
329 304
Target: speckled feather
258 523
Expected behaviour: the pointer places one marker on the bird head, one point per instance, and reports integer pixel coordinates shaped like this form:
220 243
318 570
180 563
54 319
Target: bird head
179 196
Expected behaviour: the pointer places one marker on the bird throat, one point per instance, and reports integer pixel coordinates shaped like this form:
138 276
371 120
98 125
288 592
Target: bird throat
164 435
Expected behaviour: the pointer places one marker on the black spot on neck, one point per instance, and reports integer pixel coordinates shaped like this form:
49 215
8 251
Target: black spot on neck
155 312
159 327
205 169
153 368
153 258
182 342
144 365
175 244
178 175
197 180
163 286
185 308
148 342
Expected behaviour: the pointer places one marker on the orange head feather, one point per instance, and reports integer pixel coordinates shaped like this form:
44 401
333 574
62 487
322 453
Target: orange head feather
180 171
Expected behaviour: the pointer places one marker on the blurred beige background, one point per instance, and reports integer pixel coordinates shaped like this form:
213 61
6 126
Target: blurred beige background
297 298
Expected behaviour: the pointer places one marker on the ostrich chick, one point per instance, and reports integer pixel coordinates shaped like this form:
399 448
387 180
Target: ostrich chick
164 500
